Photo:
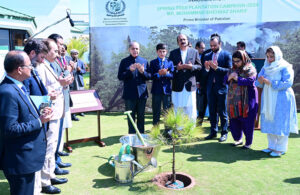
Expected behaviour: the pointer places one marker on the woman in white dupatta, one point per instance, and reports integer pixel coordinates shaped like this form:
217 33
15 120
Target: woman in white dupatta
278 107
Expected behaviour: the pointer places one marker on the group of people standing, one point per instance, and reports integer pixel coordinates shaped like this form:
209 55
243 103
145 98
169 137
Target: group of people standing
227 83
31 142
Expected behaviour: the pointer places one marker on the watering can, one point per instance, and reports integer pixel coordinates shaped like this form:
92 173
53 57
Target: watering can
124 165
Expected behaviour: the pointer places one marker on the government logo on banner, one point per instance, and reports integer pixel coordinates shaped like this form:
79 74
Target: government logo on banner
115 8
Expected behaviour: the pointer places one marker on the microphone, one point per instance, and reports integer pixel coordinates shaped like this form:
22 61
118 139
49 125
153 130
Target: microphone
57 22
68 16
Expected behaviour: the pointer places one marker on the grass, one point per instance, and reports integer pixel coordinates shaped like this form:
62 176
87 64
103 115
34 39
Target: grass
86 80
218 168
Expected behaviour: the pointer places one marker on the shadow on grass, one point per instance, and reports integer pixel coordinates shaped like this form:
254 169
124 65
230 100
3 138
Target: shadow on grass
81 145
102 113
133 187
295 180
107 170
293 135
4 186
216 152
109 141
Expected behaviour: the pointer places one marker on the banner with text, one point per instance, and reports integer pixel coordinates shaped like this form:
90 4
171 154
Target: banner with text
114 23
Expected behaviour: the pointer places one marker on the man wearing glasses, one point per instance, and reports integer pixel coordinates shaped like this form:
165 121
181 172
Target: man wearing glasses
22 136
37 51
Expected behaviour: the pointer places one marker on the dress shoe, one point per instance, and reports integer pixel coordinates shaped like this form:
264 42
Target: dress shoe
59 171
56 180
50 190
199 121
81 114
223 138
74 118
63 165
237 143
275 154
210 136
63 153
267 150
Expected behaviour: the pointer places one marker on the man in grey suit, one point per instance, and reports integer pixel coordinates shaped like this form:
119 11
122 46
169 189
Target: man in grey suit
186 65
65 79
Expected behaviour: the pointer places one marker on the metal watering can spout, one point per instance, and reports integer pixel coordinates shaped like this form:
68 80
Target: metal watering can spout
152 162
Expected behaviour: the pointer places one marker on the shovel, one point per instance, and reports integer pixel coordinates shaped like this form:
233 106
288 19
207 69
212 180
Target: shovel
135 127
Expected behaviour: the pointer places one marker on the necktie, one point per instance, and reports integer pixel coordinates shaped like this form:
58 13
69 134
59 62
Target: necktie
60 62
215 59
28 98
162 64
52 66
64 60
24 90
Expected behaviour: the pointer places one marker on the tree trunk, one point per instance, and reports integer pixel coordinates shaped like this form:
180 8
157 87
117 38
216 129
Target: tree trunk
173 164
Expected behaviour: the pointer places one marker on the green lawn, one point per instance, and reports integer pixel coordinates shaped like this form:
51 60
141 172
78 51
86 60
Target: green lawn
218 168
86 80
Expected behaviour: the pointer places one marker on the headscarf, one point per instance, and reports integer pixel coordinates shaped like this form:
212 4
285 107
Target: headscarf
237 98
272 72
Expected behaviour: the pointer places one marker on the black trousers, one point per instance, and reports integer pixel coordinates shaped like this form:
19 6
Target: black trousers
137 106
201 98
157 99
217 108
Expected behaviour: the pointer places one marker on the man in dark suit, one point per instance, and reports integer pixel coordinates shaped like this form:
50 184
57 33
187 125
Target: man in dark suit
217 64
37 51
161 70
22 138
186 65
201 85
133 73
79 70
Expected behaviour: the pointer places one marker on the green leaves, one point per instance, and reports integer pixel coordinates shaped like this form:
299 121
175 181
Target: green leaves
81 44
181 126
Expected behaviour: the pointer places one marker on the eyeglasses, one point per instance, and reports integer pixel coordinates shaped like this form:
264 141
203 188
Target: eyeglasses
29 66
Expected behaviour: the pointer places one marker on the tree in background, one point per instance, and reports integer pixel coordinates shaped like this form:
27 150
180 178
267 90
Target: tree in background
289 45
167 36
104 76
81 44
105 79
